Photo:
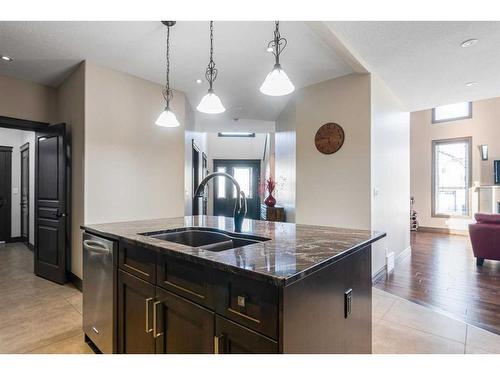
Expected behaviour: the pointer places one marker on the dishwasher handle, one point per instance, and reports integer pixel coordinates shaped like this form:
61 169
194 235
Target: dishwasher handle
96 247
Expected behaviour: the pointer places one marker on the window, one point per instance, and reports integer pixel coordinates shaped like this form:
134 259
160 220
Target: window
451 169
452 112
221 184
236 134
243 175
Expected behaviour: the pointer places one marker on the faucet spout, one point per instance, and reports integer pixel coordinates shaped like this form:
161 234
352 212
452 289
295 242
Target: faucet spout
240 205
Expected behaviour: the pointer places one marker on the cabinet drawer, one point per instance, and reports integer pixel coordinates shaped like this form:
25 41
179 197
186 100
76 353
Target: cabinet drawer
187 279
232 338
138 261
251 303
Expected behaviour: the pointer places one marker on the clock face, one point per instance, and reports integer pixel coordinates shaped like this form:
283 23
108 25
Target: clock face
329 138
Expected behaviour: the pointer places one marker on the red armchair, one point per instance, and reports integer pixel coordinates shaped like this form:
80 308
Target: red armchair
485 237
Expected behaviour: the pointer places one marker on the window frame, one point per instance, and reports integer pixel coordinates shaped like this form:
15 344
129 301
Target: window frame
451 119
433 178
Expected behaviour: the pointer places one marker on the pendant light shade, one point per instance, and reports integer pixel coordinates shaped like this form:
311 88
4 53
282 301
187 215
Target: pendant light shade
167 118
277 82
211 103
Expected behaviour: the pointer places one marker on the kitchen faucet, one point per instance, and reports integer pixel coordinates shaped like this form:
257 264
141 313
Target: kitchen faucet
240 205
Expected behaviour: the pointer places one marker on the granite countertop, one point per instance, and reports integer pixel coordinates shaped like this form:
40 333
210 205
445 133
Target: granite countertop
293 252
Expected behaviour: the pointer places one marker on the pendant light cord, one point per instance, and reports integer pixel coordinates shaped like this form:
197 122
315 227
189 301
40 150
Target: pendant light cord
211 72
167 93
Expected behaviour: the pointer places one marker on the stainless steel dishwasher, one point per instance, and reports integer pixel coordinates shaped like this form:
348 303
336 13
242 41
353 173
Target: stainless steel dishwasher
98 285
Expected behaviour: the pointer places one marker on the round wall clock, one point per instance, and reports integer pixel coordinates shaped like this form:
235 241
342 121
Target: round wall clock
329 138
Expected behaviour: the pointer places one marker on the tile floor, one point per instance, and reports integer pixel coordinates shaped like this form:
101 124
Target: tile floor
37 316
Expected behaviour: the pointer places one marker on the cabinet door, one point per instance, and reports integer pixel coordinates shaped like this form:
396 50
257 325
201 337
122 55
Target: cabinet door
135 312
232 338
180 326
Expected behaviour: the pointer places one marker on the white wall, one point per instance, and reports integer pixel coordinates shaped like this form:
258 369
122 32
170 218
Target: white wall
15 139
390 173
133 168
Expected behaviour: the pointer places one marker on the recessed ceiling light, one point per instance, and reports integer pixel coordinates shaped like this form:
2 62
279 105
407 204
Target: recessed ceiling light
468 43
7 58
198 81
472 83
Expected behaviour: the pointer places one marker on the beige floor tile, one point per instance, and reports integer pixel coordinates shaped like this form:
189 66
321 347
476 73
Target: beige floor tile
393 338
475 350
480 339
381 304
72 345
76 301
426 320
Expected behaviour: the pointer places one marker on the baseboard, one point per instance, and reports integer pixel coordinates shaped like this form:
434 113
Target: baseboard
403 255
382 273
456 232
75 280
15 239
30 246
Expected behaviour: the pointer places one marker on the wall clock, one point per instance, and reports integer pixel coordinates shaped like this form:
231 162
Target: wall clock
329 138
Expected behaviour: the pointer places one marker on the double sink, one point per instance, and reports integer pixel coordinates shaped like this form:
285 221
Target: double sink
206 238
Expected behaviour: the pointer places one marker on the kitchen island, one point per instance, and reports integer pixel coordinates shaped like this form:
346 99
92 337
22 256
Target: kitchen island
274 288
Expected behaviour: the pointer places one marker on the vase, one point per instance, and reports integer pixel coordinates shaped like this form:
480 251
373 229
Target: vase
270 201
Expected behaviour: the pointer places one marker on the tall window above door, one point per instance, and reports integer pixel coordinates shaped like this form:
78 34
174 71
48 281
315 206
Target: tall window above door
451 176
452 112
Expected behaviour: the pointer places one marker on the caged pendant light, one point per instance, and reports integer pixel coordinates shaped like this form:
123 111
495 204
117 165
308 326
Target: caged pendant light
167 118
211 103
277 82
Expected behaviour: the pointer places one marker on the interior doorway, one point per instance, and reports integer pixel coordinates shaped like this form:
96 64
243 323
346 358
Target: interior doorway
25 192
35 191
5 192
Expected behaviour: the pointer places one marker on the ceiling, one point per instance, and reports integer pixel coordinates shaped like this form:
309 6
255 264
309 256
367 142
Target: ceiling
423 62
46 52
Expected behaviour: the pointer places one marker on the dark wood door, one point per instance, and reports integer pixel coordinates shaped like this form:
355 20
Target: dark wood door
247 173
135 315
50 203
25 192
232 338
5 192
182 327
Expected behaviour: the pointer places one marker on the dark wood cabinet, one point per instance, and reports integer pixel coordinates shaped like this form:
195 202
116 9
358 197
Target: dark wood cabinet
135 324
233 338
182 326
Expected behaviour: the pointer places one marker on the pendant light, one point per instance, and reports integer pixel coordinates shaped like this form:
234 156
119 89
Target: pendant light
211 103
167 118
277 82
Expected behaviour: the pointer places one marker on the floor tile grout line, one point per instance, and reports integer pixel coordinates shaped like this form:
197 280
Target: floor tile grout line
466 333
52 343
420 330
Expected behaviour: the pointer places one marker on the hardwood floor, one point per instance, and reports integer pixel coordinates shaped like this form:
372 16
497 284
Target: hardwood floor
441 273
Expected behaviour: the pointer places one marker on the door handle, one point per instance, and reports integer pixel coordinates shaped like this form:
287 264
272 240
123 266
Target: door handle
148 330
60 214
96 247
156 334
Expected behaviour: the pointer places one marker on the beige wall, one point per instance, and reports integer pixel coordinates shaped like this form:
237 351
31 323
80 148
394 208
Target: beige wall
331 190
27 100
71 110
483 128
285 159
390 171
133 168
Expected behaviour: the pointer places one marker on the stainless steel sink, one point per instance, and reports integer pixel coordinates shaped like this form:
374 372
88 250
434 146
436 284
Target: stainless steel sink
206 238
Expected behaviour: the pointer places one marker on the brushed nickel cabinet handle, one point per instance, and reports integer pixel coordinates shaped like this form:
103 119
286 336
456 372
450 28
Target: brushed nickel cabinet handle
155 328
148 330
217 344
